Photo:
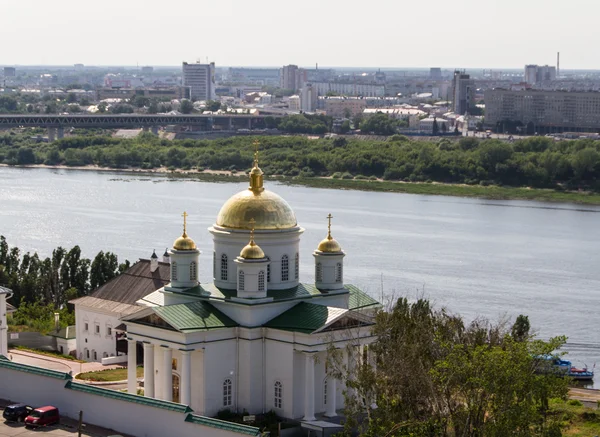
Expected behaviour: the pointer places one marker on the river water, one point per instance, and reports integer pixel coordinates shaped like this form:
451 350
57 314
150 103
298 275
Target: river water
477 257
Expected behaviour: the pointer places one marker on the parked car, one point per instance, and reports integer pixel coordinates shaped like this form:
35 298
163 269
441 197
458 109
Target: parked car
43 416
17 412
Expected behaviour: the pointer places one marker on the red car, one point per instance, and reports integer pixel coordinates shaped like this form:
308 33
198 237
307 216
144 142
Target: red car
43 416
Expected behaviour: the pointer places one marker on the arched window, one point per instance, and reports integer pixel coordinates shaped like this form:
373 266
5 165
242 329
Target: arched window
285 268
278 395
214 264
261 281
268 272
173 271
338 272
325 392
241 280
193 271
223 267
319 272
227 397
297 266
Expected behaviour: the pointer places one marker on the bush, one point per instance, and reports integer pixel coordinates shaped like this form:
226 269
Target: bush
574 402
336 175
360 177
347 175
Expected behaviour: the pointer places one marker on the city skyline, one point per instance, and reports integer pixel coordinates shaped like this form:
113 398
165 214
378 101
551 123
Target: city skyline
262 33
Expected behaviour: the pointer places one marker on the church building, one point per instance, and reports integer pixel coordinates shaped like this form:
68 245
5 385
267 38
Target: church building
254 338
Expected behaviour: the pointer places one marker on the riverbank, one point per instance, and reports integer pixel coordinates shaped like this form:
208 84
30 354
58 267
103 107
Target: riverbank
491 192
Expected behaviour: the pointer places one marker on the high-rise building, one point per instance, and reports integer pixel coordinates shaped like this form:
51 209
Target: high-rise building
200 79
463 93
147 70
536 74
10 71
435 73
288 78
308 98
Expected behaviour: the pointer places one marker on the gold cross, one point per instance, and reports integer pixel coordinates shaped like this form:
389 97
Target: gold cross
252 222
329 217
256 144
185 216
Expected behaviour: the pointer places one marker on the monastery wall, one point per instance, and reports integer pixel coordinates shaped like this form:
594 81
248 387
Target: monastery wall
125 413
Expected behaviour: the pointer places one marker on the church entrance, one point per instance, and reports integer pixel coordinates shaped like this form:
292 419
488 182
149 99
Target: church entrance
175 388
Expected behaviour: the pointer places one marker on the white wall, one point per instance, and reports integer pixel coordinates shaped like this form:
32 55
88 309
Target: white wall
123 416
101 343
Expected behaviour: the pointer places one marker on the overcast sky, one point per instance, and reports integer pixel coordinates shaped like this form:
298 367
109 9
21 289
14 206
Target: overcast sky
383 33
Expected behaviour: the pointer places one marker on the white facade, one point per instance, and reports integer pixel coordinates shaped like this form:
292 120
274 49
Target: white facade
96 333
294 103
308 98
5 294
200 78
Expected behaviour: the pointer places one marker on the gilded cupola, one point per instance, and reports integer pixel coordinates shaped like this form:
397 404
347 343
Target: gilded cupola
184 242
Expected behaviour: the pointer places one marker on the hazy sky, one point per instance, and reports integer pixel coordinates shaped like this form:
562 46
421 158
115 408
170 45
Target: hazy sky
384 33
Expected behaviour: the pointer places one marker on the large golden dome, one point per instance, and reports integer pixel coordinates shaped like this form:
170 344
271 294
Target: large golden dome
269 211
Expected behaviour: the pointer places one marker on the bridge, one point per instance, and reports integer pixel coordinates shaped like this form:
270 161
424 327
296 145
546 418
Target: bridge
199 122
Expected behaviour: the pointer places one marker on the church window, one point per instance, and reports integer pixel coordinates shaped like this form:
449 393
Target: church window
227 397
214 265
86 327
297 266
95 355
325 392
278 395
193 271
338 272
268 272
319 272
241 280
173 271
261 281
223 267
285 268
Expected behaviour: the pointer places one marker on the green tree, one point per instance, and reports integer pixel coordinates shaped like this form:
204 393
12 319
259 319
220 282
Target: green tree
71 98
102 107
379 124
213 105
104 268
436 128
186 107
520 329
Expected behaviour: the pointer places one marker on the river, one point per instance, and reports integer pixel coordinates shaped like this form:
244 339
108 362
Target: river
477 257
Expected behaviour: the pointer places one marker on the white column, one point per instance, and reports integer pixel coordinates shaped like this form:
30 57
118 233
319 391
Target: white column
168 374
309 388
131 366
3 326
149 370
331 397
185 383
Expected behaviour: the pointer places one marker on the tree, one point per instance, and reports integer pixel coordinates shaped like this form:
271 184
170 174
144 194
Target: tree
25 156
430 374
436 128
186 107
213 105
444 128
71 98
520 329
102 107
379 124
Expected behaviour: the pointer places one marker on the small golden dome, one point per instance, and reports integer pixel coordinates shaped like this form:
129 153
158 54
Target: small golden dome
252 251
184 242
329 244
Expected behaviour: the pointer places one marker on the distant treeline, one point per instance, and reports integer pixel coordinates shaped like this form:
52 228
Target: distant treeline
535 162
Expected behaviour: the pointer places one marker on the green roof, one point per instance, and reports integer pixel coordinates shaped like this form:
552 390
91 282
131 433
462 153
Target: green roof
221 424
305 317
199 315
126 397
7 364
359 299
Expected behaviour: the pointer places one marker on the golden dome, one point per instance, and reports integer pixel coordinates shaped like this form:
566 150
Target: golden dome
252 251
269 210
329 245
184 242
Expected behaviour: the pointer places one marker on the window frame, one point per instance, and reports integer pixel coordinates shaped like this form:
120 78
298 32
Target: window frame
285 268
227 393
297 266
173 271
261 280
319 272
241 280
224 267
278 395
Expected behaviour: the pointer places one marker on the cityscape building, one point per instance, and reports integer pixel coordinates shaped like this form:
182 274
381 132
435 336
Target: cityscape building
344 107
10 71
537 74
308 98
200 79
544 111
463 93
288 78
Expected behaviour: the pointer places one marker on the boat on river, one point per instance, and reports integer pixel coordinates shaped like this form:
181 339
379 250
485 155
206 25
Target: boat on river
567 368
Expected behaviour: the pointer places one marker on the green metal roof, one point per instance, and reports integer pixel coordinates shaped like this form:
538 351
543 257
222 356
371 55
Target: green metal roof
305 317
126 397
7 364
359 299
221 424
199 315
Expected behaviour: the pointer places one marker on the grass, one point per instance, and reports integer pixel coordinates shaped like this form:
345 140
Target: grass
108 375
48 353
576 419
478 191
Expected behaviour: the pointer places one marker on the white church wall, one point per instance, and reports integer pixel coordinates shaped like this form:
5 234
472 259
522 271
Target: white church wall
198 381
220 364
100 408
299 371
252 373
96 338
280 367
